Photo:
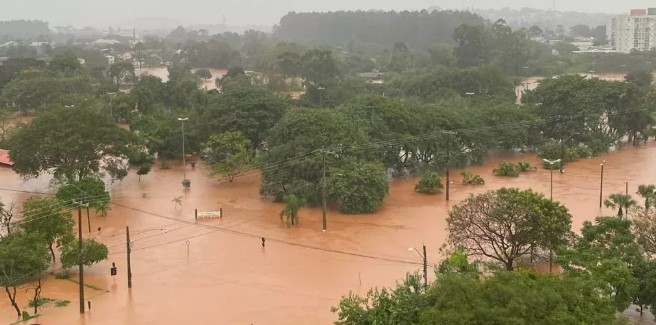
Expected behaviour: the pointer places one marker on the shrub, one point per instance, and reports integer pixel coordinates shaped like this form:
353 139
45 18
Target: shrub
430 183
63 275
525 166
358 186
40 302
506 169
472 179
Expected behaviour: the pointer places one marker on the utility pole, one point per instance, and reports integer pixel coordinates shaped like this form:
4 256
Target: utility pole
323 194
127 235
601 186
425 269
184 171
448 163
80 259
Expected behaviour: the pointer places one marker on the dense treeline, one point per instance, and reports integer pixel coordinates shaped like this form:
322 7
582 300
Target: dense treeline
24 29
350 28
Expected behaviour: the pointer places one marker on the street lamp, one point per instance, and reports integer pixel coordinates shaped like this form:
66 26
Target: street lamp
423 256
469 95
69 106
184 171
448 162
601 186
551 164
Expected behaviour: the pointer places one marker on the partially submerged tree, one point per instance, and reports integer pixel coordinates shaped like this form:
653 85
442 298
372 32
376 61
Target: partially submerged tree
231 153
88 192
48 218
507 224
621 202
23 257
648 192
73 143
430 183
290 213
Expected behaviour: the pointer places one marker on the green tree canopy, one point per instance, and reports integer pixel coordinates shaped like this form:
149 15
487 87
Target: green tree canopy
92 252
23 256
231 153
606 254
73 143
48 218
358 186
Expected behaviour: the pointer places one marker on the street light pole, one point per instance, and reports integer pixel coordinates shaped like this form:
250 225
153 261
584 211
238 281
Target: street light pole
423 256
601 186
323 195
448 162
551 163
184 171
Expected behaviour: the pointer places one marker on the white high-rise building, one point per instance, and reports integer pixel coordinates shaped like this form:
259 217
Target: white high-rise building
636 31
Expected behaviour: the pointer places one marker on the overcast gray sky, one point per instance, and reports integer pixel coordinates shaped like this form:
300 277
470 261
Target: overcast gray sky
258 12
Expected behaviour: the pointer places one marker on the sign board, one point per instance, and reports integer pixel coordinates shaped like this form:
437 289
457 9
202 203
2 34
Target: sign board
210 214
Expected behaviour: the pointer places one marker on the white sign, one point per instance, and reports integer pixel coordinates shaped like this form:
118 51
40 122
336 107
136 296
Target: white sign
210 214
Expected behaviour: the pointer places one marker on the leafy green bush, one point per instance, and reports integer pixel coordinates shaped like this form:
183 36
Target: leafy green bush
40 302
63 275
469 178
507 169
525 166
430 183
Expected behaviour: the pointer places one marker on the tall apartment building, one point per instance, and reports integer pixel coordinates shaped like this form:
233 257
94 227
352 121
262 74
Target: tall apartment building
636 31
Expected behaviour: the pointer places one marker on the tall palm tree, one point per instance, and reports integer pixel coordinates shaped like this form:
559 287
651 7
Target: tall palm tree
648 192
620 201
290 212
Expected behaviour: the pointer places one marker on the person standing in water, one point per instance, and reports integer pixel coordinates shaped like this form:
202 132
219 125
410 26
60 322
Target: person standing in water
263 242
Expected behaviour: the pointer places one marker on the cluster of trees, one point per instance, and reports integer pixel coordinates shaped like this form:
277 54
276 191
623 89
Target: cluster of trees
27 245
605 269
346 28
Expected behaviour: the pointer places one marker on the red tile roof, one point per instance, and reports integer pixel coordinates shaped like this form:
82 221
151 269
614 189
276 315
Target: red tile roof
4 158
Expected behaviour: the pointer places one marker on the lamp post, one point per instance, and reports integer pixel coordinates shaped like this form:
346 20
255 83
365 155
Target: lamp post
601 186
184 171
423 256
448 162
551 164
469 95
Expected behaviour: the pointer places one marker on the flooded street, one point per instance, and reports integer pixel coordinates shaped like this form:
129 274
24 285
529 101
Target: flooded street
163 73
216 270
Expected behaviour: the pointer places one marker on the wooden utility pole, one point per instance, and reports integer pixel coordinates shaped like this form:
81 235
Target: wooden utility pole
323 195
127 235
80 260
425 269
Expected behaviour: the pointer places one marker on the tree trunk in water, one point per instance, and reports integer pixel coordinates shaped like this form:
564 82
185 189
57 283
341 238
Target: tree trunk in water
12 298
37 296
620 213
52 252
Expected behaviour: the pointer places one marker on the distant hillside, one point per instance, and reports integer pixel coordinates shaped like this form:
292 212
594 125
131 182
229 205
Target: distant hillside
23 29
417 28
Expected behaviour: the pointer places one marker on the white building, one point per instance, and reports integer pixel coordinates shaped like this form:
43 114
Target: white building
636 31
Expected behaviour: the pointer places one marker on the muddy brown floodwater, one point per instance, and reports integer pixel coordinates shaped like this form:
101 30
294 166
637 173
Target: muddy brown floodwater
216 271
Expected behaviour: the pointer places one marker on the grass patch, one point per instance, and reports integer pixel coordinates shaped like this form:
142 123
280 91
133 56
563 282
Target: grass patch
90 286
40 302
62 303
63 275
